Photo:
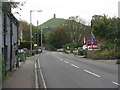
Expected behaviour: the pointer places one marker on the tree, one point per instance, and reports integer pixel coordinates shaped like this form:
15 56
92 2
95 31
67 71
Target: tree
26 31
76 28
106 30
7 6
58 37
70 32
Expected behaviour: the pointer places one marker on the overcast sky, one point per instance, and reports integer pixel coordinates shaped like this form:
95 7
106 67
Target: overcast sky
66 8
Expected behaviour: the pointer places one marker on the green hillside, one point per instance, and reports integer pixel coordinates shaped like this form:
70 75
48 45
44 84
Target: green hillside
52 23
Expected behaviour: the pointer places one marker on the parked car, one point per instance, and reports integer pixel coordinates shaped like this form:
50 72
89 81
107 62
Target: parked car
80 51
60 50
39 50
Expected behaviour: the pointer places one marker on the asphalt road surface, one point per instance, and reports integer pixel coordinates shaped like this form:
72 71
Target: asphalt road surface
67 71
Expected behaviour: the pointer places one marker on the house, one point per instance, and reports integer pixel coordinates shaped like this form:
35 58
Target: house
1 46
8 39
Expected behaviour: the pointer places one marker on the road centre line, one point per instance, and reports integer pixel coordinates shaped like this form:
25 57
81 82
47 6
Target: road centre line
57 57
74 66
66 62
61 59
86 70
92 73
116 83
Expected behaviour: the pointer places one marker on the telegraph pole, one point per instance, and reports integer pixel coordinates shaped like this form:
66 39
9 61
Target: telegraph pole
37 34
31 26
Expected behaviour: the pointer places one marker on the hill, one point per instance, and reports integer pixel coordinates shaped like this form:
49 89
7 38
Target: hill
52 23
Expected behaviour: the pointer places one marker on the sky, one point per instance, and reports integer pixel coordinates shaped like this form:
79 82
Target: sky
66 8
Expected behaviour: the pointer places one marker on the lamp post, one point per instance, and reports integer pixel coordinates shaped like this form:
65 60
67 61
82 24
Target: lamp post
31 26
41 38
37 35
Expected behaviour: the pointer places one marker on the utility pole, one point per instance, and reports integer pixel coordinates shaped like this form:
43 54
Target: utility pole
37 34
31 30
41 39
31 26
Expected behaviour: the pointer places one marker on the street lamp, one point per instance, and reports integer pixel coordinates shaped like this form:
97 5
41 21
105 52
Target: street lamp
41 38
31 26
37 35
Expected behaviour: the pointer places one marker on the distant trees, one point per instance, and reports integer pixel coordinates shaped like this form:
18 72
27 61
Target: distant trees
26 31
57 38
75 27
69 32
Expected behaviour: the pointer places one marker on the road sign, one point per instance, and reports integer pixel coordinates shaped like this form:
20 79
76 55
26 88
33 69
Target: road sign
92 41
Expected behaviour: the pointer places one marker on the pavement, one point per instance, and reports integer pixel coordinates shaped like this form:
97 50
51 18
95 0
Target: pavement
22 77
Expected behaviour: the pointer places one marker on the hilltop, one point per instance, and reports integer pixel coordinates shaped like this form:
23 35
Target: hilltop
52 23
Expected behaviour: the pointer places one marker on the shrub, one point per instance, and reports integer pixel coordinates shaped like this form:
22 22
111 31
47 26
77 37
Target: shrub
84 52
71 50
116 55
105 54
118 61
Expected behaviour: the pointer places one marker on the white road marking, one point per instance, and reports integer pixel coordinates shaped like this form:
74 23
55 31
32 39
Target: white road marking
61 59
58 57
66 62
116 83
44 84
74 66
36 76
92 73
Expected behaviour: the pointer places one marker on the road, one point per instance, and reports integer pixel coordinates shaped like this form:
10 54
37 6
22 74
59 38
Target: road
67 71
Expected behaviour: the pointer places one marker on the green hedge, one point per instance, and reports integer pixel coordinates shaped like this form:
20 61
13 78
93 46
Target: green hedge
106 54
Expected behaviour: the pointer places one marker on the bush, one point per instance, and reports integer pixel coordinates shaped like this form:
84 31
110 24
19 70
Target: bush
116 55
118 61
71 50
105 54
84 52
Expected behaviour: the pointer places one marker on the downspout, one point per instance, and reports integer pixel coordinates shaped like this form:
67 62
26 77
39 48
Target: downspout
17 64
10 44
5 47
